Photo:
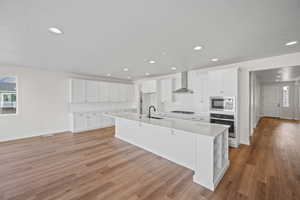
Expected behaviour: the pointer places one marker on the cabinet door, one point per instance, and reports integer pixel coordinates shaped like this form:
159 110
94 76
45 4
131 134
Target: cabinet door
204 96
123 92
91 121
166 90
92 91
103 91
149 86
130 93
229 82
114 92
182 144
99 120
223 82
77 91
215 83
79 122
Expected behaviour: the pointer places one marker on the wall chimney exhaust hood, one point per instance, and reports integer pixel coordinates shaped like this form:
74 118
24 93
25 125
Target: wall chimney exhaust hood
184 84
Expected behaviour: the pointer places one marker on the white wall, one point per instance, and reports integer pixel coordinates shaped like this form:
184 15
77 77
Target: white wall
43 107
255 100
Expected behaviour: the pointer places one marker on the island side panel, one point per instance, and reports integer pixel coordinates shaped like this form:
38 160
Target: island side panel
204 172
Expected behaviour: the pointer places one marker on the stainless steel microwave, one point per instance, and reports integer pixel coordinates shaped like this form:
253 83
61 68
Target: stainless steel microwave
222 104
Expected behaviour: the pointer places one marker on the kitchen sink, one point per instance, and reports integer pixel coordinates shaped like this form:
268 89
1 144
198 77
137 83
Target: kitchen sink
156 117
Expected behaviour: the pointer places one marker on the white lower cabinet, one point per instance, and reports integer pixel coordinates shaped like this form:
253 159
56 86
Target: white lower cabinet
79 121
84 121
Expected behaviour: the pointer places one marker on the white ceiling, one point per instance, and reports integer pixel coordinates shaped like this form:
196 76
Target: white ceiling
103 37
280 74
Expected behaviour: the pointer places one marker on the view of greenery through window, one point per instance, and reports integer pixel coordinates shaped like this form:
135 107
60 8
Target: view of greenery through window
8 95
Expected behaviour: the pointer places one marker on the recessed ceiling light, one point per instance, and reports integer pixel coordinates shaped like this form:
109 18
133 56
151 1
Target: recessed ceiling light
108 74
214 59
147 74
291 43
55 30
151 61
125 69
198 48
173 68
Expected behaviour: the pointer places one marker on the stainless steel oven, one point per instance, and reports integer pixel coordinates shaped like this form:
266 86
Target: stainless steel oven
224 120
222 104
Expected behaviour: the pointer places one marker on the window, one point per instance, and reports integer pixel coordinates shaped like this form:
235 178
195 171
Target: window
285 96
8 95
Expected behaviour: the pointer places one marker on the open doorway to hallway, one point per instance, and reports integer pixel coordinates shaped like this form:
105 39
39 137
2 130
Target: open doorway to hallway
275 93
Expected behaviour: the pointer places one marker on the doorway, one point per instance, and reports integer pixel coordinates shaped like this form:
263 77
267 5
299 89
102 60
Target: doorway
275 93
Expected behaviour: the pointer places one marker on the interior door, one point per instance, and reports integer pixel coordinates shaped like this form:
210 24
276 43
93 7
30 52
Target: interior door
271 100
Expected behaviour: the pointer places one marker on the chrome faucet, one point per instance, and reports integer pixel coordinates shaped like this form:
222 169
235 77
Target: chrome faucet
149 110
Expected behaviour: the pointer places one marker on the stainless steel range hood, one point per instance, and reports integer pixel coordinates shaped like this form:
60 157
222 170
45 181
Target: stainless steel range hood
184 84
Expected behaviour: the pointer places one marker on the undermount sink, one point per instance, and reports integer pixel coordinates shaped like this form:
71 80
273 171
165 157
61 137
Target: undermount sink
156 117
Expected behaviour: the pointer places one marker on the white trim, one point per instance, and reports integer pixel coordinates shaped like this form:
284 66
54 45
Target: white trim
17 97
35 135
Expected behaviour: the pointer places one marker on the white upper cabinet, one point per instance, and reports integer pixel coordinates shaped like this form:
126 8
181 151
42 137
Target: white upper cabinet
148 86
198 82
166 90
92 91
230 82
215 83
103 91
123 92
77 91
114 92
223 82
87 91
130 93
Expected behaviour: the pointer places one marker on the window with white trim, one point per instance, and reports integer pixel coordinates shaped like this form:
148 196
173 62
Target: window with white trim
8 95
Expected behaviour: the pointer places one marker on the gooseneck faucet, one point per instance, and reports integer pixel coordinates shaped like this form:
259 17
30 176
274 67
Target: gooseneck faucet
149 110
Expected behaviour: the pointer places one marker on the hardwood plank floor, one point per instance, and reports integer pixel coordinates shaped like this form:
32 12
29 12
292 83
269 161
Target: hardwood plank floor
95 165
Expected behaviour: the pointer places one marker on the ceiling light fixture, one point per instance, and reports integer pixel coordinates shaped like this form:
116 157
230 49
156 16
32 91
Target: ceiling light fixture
55 30
147 74
173 68
198 48
108 74
151 61
125 69
291 43
129 77
214 59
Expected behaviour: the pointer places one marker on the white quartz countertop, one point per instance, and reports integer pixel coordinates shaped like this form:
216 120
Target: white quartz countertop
195 127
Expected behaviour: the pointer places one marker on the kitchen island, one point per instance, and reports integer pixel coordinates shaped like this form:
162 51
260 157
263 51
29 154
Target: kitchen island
199 146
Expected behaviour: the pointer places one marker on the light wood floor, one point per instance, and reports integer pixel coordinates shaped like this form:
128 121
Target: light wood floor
95 165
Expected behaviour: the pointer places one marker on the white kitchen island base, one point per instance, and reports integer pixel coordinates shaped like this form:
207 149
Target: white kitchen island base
202 147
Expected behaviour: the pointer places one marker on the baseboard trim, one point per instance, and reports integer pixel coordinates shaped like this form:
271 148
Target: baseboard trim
34 135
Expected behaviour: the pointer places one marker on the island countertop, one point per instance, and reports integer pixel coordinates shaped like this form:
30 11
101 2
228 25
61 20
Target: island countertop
195 127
